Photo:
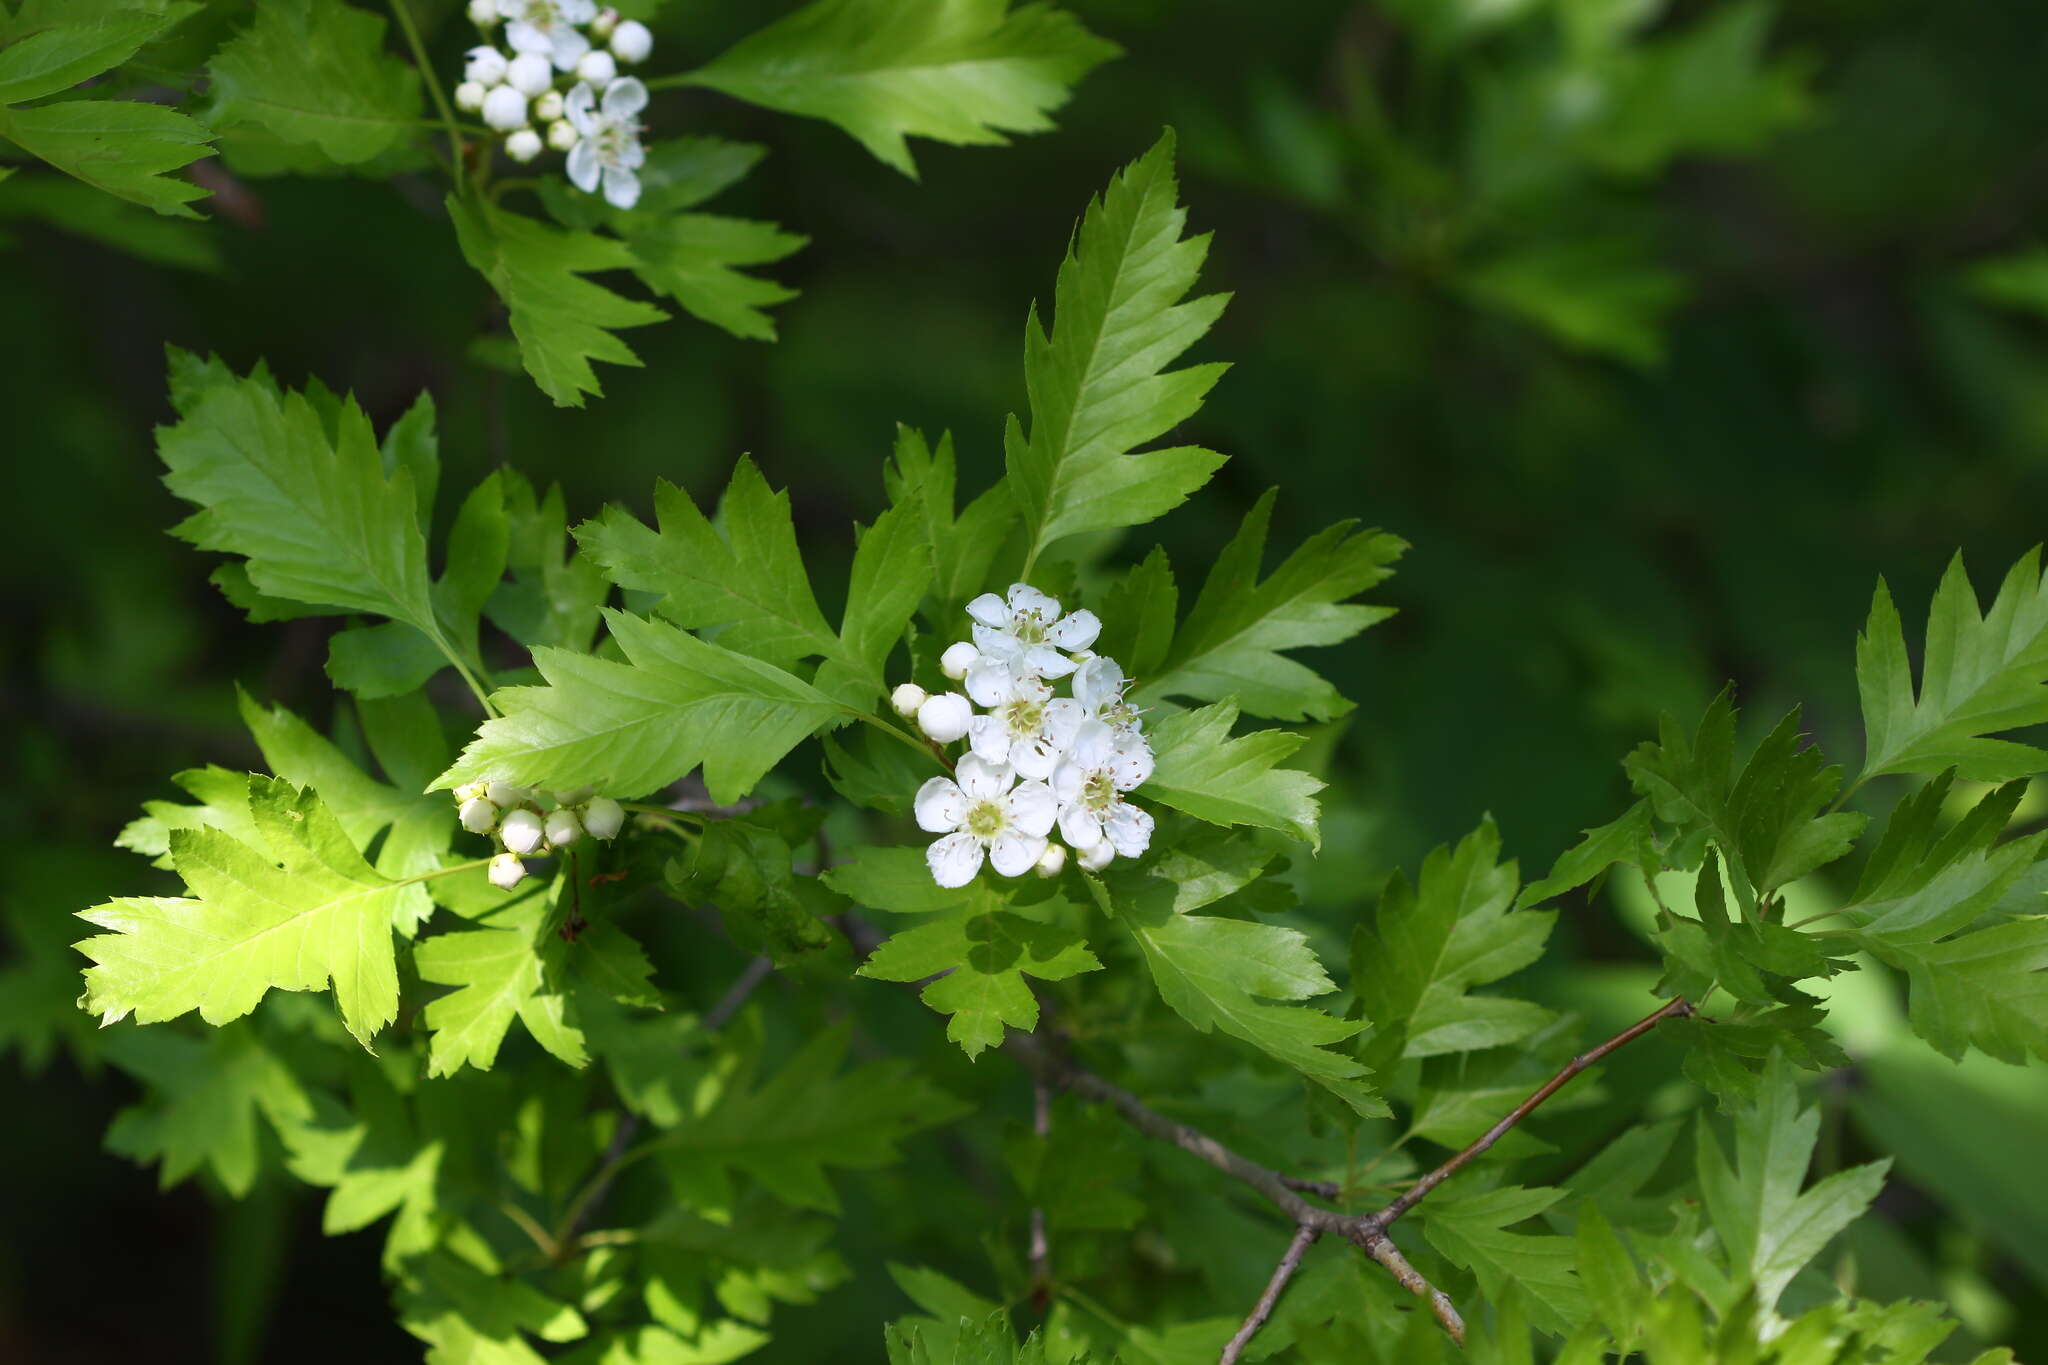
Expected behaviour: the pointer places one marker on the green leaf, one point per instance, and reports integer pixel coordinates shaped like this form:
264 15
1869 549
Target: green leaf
1768 1227
744 869
202 1100
123 147
1222 974
511 968
892 566
1427 947
300 912
964 546
69 206
964 72
1986 989
811 1115
58 58
1600 295
744 573
1231 644
553 597
698 260
1098 383
315 72
1627 839
472 1317
562 321
632 727
1471 1230
1982 675
1226 781
1137 617
980 952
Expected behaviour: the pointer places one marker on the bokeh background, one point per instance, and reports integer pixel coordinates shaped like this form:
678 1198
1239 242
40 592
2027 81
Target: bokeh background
1660 333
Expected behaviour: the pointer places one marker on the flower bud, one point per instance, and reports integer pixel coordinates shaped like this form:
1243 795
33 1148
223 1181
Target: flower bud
632 42
597 67
601 27
521 830
483 13
957 659
477 815
486 65
468 791
530 73
562 135
505 794
1096 858
523 145
574 798
507 871
906 699
1053 861
548 107
603 817
504 108
563 828
944 717
469 97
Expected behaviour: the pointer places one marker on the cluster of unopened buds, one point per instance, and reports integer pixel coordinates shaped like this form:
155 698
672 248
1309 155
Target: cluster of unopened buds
561 74
1036 764
522 825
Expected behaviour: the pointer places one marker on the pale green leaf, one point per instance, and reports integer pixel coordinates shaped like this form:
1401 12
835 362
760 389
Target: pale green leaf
1226 781
202 1099
123 147
510 968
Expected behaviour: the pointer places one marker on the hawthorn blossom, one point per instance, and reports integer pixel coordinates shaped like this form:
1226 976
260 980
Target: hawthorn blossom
1026 632
1090 783
1099 684
551 28
983 811
1025 727
608 140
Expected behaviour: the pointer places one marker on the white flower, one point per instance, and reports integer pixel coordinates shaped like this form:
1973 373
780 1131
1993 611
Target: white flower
632 42
561 135
1027 632
549 28
529 74
1096 858
945 717
505 109
477 815
1099 685
957 659
1025 726
1053 861
607 19
603 817
608 140
483 13
506 871
985 812
523 145
521 830
563 828
906 699
597 67
486 65
1090 783
547 106
469 97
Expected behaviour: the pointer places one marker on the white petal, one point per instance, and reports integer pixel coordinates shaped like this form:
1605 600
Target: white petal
524 37
958 658
1015 854
1043 661
1093 746
989 740
989 610
567 47
1067 779
1032 808
1096 858
996 643
1098 682
511 9
1024 597
940 806
621 187
1063 720
577 11
981 780
583 168
1131 764
1080 828
624 98
578 107
954 859
632 155
1129 829
1077 631
1035 757
990 682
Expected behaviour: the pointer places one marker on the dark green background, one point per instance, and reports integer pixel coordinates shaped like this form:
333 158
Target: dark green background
1594 541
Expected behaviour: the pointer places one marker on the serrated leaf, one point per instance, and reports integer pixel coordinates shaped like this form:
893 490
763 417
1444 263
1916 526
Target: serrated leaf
553 597
1226 781
744 870
202 1100
123 147
302 912
1472 1231
1982 675
963 72
699 260
1098 383
511 968
475 1318
892 566
1231 645
963 546
1986 989
1137 615
58 58
636 726
316 73
562 320
1624 840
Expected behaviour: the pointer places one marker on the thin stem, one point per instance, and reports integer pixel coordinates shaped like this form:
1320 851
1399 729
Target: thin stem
457 153
529 1225
1304 1238
662 812
899 733
449 871
1825 914
675 81
476 687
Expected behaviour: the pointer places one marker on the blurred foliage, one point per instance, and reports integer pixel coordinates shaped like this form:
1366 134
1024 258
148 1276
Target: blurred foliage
1659 332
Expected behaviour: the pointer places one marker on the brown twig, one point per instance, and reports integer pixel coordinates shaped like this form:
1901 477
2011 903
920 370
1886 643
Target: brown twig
1368 1232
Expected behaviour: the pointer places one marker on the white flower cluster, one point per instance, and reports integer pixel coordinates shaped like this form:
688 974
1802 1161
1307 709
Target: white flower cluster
521 825
1035 762
556 78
